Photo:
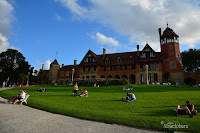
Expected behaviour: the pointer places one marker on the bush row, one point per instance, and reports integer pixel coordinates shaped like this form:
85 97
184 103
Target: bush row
103 82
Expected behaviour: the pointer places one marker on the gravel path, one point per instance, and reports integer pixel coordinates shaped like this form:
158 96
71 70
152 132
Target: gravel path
21 119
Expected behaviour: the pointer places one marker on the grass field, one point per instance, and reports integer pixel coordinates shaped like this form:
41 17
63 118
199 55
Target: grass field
153 106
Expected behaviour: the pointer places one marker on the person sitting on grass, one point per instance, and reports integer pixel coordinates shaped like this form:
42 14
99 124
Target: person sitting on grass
82 92
39 90
85 94
130 97
188 109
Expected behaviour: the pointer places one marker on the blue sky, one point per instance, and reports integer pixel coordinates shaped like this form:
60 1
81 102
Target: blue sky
39 28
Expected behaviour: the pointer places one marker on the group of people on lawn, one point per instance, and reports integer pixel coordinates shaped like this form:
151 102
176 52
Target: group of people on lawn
83 93
130 97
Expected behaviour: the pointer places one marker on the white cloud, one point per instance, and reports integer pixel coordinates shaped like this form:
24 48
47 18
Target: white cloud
6 19
46 64
3 43
106 40
140 19
58 17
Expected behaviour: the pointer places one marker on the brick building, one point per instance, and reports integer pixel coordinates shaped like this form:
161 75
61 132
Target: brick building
162 66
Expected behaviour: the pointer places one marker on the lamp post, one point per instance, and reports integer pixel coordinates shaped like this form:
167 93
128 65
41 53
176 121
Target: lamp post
147 74
73 75
27 84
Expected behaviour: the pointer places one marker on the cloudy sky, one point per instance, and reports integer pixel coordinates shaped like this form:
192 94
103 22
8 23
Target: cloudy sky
39 28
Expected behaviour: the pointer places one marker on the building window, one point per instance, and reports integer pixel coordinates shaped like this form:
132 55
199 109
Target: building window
93 77
172 65
118 68
107 60
83 69
104 68
87 77
95 68
130 58
89 68
155 77
149 65
83 77
177 55
142 78
155 65
111 68
125 67
141 65
133 66
67 73
62 73
118 59
170 47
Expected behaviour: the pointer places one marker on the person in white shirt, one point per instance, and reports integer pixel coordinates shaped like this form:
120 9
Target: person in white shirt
21 96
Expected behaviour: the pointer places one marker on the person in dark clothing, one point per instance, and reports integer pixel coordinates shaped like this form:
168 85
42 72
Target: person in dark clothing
188 109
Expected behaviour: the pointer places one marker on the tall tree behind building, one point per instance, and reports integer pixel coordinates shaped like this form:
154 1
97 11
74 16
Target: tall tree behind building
191 60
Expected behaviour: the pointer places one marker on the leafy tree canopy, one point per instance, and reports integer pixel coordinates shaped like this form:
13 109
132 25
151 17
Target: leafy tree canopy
191 60
13 64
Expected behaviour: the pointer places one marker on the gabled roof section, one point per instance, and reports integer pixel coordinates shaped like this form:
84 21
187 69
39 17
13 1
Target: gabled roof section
168 33
55 62
147 48
90 57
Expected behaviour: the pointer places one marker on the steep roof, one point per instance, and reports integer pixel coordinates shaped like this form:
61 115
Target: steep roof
169 32
55 62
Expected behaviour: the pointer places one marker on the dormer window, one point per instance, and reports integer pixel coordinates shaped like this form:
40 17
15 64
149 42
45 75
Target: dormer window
143 55
152 54
130 58
107 60
118 59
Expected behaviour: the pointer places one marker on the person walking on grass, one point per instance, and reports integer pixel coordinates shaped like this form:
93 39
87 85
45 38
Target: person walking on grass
188 109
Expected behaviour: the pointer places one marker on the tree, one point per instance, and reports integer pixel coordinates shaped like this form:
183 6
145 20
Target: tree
13 64
191 60
22 78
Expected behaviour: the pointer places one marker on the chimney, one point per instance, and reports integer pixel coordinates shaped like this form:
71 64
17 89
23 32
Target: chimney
75 62
159 31
42 67
104 52
137 50
62 65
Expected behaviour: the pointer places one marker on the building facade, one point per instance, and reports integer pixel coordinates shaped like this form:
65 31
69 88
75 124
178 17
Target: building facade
162 66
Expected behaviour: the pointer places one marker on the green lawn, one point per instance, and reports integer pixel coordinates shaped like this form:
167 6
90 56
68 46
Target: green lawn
153 105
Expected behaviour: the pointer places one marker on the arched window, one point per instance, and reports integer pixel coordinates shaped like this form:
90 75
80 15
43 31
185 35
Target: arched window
107 60
130 58
118 59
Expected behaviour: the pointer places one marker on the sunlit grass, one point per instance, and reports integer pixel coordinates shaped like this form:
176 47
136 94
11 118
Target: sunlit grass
153 105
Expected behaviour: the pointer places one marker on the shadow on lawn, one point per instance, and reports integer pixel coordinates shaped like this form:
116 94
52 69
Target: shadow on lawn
161 113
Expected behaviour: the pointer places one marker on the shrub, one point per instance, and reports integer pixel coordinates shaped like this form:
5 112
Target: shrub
101 82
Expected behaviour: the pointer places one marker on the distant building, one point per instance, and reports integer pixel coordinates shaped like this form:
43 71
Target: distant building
162 66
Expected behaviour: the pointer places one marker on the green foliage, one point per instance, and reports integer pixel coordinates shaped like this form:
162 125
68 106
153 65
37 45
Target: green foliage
191 60
104 82
22 78
13 64
154 104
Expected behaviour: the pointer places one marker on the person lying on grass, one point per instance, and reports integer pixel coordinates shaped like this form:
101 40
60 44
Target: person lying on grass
188 109
39 90
130 97
85 94
128 88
